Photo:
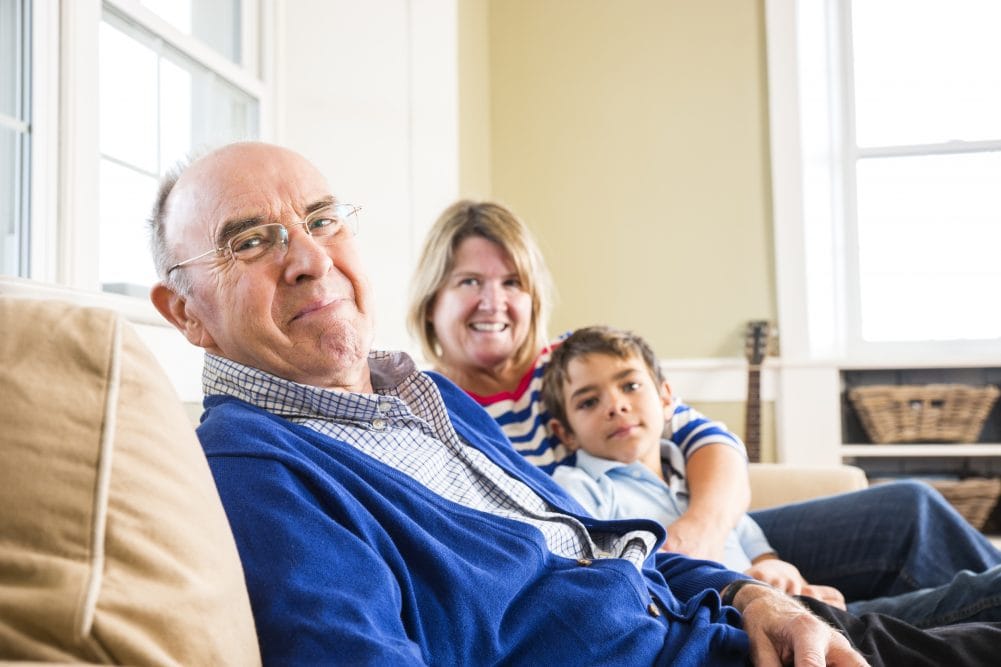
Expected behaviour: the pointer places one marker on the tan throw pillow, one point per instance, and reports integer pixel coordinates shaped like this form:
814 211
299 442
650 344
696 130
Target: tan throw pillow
114 547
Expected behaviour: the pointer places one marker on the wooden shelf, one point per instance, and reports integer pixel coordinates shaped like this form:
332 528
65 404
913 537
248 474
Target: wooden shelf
930 449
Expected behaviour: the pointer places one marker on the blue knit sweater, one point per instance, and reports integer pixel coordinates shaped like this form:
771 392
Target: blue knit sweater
351 562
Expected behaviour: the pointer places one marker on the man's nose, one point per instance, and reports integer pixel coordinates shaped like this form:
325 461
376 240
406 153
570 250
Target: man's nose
304 257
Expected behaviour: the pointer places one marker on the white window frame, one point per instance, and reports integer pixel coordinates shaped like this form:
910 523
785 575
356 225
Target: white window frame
66 153
813 168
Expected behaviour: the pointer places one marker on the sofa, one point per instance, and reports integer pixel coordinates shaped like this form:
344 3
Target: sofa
114 547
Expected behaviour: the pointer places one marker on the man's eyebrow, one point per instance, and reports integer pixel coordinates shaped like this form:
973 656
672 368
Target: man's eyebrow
319 205
231 228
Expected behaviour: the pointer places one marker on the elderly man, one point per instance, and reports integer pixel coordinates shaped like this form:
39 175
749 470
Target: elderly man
382 517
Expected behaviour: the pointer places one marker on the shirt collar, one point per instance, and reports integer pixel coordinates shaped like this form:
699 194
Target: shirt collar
389 371
597 467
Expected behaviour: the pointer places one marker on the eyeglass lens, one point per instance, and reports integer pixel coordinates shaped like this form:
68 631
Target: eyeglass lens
326 227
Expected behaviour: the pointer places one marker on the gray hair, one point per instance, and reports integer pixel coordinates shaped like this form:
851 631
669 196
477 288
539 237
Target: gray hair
163 258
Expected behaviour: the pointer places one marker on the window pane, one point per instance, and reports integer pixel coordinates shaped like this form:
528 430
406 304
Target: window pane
186 108
929 230
126 200
926 72
200 110
128 99
10 58
10 202
14 140
176 113
214 22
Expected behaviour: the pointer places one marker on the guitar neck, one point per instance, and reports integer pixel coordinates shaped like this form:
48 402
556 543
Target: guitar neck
752 415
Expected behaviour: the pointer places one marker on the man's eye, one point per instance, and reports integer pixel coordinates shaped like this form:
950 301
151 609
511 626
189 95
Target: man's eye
324 226
248 243
587 404
630 386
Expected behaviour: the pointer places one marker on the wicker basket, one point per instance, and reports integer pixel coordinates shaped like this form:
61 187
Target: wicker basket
923 413
974 498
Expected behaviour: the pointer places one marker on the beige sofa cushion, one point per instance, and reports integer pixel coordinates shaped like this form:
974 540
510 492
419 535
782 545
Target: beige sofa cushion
780 483
114 547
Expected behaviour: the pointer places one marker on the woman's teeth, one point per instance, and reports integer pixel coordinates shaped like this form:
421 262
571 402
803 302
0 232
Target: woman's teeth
493 327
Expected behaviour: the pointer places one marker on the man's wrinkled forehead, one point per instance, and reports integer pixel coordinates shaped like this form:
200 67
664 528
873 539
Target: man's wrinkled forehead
254 182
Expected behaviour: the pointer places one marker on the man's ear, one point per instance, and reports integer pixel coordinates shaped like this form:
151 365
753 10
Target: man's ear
563 434
174 309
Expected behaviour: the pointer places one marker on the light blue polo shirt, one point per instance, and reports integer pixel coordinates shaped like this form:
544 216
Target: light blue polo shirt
614 490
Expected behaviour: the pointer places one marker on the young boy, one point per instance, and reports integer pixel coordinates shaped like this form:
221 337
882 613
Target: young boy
608 401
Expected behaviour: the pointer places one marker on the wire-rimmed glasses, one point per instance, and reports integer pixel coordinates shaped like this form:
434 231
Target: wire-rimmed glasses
326 227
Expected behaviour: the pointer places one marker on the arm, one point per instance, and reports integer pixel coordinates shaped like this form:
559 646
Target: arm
301 562
782 631
719 494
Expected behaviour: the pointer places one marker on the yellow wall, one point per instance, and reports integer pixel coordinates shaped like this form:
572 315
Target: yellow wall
474 99
632 137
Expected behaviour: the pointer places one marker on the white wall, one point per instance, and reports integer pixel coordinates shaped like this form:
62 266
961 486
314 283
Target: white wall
369 92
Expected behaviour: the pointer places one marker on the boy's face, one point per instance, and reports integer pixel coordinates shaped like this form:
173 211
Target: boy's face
615 409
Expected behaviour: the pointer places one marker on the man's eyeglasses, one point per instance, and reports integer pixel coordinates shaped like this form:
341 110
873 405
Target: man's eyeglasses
326 226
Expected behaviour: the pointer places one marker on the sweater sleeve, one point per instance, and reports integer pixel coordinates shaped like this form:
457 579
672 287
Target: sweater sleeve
320 594
689 577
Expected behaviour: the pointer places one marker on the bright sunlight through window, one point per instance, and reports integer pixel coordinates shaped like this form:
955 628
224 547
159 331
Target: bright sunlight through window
927 119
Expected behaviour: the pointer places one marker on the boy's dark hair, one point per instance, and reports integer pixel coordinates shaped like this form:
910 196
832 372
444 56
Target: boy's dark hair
591 340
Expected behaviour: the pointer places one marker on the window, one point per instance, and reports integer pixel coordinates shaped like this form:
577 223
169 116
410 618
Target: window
161 96
923 164
15 121
886 155
98 98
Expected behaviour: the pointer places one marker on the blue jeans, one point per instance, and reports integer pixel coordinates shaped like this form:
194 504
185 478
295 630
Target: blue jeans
889 540
968 597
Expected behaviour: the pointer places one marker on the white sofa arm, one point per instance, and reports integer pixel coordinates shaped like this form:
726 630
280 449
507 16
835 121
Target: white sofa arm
780 483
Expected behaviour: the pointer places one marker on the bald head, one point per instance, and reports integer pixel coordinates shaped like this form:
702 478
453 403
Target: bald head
193 173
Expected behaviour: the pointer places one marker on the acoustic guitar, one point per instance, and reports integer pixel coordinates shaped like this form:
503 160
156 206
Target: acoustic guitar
755 348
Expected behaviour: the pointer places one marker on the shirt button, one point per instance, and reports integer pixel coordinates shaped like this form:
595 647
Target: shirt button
584 562
378 423
653 609
385 407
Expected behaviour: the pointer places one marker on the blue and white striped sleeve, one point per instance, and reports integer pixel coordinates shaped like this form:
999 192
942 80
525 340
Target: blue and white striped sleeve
691 430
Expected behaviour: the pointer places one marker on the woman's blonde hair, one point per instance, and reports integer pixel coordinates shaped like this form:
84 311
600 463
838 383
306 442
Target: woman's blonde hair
494 222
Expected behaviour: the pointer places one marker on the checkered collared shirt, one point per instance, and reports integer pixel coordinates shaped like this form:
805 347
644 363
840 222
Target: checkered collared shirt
405 425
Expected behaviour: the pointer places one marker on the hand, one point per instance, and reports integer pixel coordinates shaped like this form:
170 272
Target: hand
784 633
828 594
779 573
695 538
787 578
